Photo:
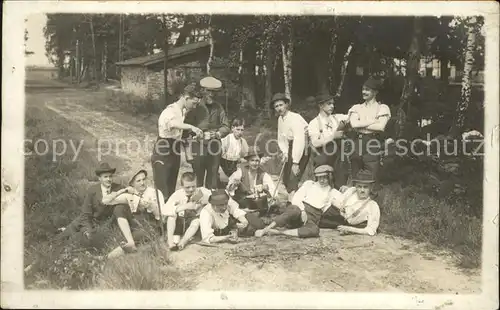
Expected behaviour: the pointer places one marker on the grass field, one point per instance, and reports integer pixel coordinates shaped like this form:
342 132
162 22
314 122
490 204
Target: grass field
55 190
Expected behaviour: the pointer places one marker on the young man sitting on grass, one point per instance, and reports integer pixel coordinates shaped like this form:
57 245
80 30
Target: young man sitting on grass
222 220
183 210
99 207
251 185
302 217
353 211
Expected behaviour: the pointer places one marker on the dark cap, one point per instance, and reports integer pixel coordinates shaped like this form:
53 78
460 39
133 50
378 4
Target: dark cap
277 97
104 168
373 83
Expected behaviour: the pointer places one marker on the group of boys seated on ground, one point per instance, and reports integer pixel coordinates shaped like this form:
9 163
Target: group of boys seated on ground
222 215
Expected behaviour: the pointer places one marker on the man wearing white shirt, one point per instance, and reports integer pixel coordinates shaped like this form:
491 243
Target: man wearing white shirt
252 186
234 148
292 141
222 220
183 210
325 133
302 217
167 149
368 120
353 211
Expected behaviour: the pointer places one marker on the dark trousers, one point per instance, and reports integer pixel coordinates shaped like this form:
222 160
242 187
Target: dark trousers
166 161
119 211
254 223
291 219
290 180
228 166
332 219
260 204
330 154
366 156
206 161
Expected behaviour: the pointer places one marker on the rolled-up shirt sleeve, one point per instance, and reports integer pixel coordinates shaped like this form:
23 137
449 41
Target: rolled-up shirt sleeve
373 219
300 194
171 204
206 225
234 209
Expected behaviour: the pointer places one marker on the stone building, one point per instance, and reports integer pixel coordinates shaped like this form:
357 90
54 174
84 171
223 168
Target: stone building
143 76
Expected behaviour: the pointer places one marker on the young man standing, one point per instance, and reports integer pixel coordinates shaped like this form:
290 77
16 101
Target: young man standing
183 210
302 217
251 185
211 118
292 141
368 120
167 149
353 211
325 132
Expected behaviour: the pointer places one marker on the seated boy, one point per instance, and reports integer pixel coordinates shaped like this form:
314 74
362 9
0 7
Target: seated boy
311 200
353 211
251 185
234 148
222 220
183 209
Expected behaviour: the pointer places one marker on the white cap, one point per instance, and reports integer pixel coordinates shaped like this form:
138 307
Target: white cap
210 83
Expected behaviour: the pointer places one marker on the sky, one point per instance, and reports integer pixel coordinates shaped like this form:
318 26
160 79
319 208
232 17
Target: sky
36 40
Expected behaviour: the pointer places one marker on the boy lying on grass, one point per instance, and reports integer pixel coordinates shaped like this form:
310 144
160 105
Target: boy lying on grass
222 219
302 216
183 210
251 185
353 211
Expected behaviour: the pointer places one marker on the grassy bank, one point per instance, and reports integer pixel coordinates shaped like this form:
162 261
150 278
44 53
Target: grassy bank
54 191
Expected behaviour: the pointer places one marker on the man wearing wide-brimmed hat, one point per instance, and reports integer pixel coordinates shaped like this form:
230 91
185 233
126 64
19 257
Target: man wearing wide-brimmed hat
368 120
100 206
301 218
222 220
211 118
292 142
353 211
166 158
252 186
325 134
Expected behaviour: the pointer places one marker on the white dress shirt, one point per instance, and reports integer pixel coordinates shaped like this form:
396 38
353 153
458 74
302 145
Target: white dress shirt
313 193
357 211
233 149
323 128
172 113
368 112
179 198
292 127
147 201
211 220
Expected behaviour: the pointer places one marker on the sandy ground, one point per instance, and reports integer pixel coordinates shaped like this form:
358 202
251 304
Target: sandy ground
329 263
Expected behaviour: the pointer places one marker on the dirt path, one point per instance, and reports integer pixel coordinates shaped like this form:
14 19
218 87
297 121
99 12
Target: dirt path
329 263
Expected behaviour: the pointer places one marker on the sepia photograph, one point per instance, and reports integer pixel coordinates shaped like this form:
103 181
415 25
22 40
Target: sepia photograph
323 149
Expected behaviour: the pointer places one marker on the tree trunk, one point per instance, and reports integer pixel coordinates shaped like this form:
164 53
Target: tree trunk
270 56
248 75
210 39
465 96
445 71
343 71
96 78
165 66
287 52
105 62
412 67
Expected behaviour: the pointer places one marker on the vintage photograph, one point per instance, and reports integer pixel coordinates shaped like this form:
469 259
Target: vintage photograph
254 152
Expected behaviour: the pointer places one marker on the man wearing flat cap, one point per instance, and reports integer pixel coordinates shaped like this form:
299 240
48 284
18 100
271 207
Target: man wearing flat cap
211 118
301 218
325 134
368 120
292 142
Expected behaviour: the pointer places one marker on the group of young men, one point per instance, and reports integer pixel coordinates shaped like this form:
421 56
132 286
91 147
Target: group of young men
198 127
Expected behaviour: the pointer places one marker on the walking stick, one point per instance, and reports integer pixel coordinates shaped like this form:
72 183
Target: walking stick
277 185
158 198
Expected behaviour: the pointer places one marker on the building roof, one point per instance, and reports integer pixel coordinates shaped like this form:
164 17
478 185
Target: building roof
173 53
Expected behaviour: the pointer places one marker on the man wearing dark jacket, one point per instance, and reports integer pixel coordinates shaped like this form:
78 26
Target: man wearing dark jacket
210 117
